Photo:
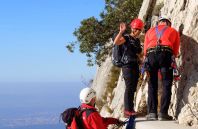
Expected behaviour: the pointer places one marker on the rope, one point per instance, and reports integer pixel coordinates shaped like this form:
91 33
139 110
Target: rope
189 106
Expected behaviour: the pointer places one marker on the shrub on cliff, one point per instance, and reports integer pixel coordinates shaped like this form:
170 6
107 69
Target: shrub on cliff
93 34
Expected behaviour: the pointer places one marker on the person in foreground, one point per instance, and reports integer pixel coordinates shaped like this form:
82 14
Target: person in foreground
91 119
161 46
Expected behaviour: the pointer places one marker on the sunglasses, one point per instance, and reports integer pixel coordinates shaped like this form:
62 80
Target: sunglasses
137 29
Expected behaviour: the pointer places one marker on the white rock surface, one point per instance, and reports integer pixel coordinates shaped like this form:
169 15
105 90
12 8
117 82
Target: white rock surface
185 13
142 124
101 78
145 8
184 102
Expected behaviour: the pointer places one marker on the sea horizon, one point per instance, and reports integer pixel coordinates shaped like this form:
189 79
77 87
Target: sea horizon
36 105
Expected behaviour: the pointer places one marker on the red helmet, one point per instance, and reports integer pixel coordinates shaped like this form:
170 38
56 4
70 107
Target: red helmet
137 24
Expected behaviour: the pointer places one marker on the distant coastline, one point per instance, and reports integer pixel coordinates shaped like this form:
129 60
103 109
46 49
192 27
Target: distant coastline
56 126
36 105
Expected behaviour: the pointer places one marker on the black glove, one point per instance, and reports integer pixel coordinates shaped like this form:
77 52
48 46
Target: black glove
121 123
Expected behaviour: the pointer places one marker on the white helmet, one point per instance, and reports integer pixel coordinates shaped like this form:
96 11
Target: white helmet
86 95
164 17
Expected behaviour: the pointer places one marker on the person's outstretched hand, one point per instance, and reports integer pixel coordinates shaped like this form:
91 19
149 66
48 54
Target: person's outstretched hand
122 27
121 123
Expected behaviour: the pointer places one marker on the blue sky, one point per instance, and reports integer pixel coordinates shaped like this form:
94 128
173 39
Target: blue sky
33 35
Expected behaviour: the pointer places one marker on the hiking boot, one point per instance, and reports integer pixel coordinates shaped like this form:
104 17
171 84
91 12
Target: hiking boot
164 117
129 113
151 116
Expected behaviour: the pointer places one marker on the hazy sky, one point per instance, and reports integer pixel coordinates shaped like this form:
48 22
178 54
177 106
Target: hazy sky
33 35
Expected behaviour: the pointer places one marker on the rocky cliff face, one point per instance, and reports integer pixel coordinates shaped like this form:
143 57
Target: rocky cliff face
184 15
184 103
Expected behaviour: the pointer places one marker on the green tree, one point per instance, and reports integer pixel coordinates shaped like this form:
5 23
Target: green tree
94 35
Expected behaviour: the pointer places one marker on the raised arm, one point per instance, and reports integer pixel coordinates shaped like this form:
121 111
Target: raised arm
119 39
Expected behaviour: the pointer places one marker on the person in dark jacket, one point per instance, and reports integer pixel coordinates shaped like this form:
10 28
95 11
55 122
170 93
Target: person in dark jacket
161 46
130 69
91 119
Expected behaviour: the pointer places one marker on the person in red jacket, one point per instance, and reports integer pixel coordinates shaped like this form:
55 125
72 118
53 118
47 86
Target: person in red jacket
91 119
160 47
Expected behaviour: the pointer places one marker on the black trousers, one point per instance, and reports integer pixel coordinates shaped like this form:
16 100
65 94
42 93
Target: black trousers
130 75
159 61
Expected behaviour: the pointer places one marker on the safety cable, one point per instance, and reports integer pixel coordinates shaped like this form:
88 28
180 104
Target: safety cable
189 106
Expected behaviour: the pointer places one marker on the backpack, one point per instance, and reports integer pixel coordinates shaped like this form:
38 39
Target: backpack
118 53
72 117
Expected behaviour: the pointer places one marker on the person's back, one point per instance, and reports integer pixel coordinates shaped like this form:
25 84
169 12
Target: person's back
169 38
161 46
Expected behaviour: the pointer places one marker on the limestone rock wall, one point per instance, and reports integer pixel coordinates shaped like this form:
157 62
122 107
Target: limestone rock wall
184 14
101 78
184 102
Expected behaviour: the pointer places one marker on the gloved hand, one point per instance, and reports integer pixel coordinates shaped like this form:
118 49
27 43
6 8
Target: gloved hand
120 123
147 74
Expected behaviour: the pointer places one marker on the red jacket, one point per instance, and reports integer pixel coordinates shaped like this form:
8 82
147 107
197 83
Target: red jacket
94 120
170 38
